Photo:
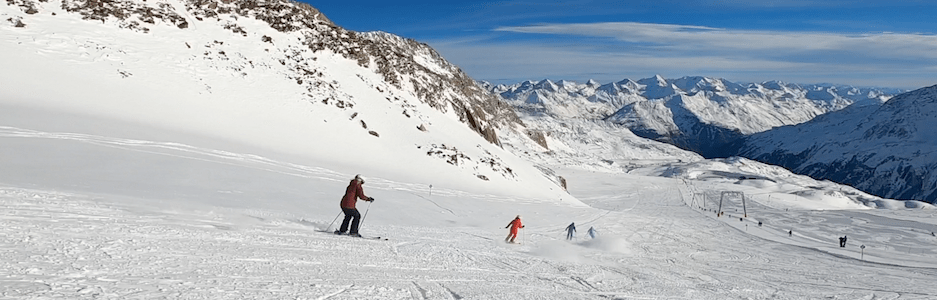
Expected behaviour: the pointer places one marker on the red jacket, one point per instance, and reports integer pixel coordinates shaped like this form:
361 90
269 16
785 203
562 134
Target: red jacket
352 194
515 224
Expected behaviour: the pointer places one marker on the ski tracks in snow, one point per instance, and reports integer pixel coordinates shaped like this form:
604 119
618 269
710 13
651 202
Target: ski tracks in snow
181 151
59 245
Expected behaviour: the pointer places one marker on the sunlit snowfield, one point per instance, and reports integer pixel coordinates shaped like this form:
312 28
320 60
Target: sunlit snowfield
108 210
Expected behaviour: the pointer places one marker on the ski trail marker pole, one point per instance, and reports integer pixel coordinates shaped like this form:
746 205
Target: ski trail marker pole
333 222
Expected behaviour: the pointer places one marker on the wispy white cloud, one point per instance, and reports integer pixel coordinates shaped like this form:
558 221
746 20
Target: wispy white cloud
521 61
696 38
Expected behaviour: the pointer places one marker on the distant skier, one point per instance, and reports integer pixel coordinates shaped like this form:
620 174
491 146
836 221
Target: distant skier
790 233
570 230
592 232
841 241
843 244
515 224
353 192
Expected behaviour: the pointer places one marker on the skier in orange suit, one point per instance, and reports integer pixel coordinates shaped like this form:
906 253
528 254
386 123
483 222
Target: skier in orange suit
515 224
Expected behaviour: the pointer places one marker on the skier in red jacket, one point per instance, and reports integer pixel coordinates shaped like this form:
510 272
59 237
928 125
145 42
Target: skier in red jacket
515 224
352 193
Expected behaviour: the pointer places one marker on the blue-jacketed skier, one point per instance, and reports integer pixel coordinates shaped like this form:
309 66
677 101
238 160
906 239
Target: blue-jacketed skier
353 192
592 232
570 230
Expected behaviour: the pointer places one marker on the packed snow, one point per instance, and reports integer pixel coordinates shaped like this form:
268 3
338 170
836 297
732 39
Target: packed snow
96 208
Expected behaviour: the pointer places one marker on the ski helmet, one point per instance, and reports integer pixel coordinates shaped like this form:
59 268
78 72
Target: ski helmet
359 178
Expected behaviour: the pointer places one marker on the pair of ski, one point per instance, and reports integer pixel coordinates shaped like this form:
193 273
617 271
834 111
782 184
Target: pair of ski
359 236
363 237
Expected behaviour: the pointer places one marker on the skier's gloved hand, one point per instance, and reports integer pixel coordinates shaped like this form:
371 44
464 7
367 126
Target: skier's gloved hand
371 199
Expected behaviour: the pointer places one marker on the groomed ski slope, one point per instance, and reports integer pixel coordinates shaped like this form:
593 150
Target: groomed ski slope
111 211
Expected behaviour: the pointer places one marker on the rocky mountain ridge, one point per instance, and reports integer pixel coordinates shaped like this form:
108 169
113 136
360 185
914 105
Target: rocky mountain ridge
885 150
435 81
868 138
265 72
701 114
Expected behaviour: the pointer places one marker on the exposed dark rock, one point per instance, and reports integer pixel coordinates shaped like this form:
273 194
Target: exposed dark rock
538 137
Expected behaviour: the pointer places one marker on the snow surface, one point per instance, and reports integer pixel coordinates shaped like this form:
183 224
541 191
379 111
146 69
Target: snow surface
97 208
134 168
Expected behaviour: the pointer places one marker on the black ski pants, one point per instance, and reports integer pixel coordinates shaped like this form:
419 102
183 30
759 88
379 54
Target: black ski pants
351 214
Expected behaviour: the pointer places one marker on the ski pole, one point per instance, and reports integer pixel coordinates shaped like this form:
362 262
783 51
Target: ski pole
365 215
333 222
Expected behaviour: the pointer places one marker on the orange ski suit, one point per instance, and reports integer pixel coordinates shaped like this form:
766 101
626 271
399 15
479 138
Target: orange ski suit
515 224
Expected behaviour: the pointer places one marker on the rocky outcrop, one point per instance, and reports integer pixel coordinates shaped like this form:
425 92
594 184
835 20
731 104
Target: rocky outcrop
403 63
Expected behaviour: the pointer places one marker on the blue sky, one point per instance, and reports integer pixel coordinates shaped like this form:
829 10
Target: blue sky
866 43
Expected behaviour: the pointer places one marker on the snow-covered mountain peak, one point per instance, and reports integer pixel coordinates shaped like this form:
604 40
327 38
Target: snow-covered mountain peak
926 96
546 85
776 85
593 84
569 85
883 149
907 116
695 104
630 85
657 87
656 80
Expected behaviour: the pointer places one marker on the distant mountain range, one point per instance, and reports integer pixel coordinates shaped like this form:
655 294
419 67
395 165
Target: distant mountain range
872 138
702 114
889 150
